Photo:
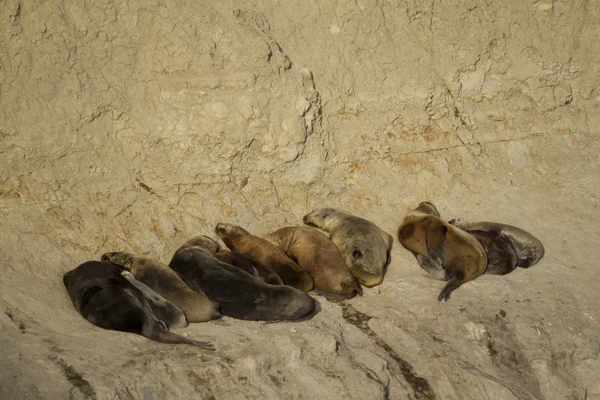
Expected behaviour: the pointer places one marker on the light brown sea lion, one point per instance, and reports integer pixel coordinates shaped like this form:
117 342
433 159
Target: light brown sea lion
446 252
528 248
240 294
317 255
365 247
266 254
164 281
246 264
106 298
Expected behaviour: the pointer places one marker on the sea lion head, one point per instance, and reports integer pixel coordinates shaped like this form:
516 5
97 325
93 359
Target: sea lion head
427 207
118 257
224 230
204 243
319 218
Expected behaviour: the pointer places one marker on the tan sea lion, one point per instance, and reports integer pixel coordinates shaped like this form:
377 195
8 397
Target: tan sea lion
164 281
446 252
106 298
365 247
246 264
528 248
240 294
317 255
266 254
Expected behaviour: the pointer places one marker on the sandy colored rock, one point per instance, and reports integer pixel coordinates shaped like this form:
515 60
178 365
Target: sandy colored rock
135 126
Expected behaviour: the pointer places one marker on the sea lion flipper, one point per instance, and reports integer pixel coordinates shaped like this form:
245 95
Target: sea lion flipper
451 286
434 269
435 240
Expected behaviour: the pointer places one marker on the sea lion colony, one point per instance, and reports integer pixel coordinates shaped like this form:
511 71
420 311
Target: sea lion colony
267 278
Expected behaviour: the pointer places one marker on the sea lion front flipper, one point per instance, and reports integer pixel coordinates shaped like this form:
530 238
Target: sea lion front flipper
435 270
435 240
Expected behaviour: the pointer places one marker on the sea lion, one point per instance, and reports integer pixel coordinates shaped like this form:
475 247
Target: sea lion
266 254
164 281
164 310
502 258
240 294
109 300
528 248
246 264
365 247
443 250
317 255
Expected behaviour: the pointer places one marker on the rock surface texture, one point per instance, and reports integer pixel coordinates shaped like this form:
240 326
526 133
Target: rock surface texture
135 125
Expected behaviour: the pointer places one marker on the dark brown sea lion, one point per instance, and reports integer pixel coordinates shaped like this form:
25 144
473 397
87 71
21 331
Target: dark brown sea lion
528 248
240 294
103 296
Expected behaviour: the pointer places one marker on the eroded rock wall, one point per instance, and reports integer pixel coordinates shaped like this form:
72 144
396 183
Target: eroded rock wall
134 125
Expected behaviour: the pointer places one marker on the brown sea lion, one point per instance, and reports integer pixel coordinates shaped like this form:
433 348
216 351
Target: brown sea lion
317 255
528 248
446 252
106 298
246 264
266 254
164 281
365 247
240 294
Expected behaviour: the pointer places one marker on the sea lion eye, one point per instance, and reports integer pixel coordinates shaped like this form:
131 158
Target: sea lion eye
356 254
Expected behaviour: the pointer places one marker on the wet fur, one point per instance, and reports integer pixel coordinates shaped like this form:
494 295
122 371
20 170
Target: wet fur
365 247
319 256
446 252
240 294
164 281
265 254
109 300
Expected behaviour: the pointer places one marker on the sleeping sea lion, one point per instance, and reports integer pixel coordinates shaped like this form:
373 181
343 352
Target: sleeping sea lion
265 254
317 255
164 281
365 247
109 300
446 252
240 294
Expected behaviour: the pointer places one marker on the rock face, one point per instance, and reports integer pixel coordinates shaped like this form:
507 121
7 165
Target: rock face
133 126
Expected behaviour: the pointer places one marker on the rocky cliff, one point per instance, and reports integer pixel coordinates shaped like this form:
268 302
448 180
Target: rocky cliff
134 125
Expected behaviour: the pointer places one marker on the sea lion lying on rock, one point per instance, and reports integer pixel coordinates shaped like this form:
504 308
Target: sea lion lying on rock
266 254
446 252
527 248
240 294
317 255
164 281
106 298
365 247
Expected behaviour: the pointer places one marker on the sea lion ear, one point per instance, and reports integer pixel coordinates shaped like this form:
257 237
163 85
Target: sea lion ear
356 254
452 221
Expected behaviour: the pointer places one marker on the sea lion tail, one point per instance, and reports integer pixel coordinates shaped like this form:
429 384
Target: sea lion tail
170 337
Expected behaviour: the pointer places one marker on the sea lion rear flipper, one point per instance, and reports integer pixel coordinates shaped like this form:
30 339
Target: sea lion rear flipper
173 338
435 240
451 286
